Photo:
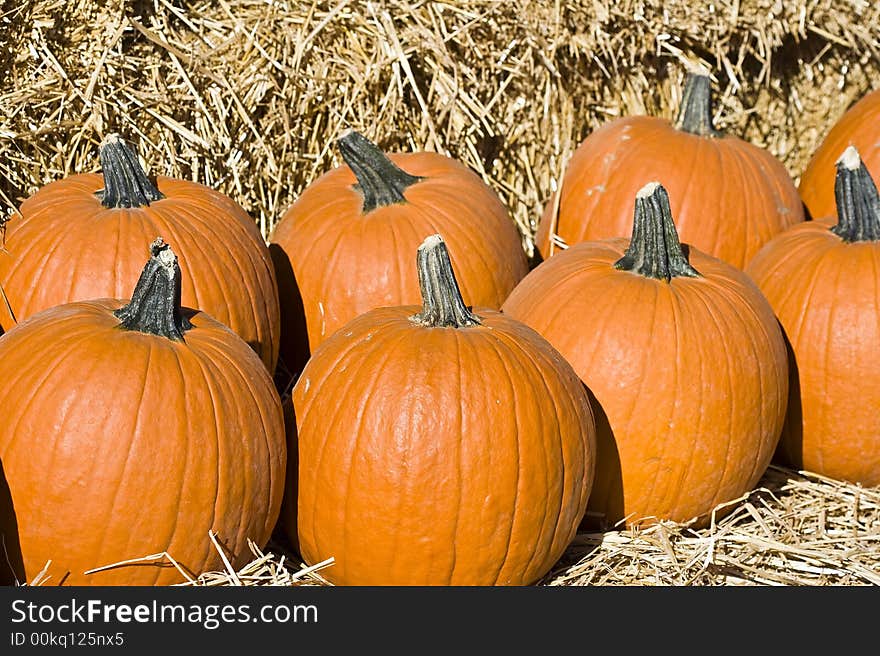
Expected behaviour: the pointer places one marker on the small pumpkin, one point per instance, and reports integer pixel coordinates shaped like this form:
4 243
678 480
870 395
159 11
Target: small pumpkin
345 245
729 196
140 427
119 210
823 280
439 445
683 356
857 127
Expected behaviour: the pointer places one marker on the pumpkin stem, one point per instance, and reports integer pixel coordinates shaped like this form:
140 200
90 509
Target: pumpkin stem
695 113
654 250
442 304
125 182
858 204
379 179
155 303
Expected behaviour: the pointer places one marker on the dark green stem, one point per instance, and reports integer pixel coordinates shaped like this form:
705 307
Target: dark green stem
155 303
126 184
695 113
442 304
654 250
379 179
858 204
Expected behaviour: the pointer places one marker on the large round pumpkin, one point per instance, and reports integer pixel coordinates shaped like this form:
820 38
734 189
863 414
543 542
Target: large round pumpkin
823 280
859 126
729 196
117 211
345 246
439 445
135 429
685 360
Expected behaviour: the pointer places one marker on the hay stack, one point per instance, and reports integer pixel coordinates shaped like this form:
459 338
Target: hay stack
248 96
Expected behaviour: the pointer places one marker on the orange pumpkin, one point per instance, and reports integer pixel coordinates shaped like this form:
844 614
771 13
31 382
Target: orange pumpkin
138 429
729 196
685 360
858 127
439 445
344 247
823 280
118 211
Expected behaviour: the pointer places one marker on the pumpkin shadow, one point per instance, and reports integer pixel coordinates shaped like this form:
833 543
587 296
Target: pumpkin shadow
11 560
294 334
790 447
608 481
285 532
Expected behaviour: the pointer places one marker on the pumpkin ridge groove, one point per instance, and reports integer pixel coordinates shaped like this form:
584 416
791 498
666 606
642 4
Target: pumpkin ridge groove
185 470
321 448
826 365
225 440
713 314
756 470
677 337
454 209
203 368
749 180
241 380
100 560
48 255
60 359
696 385
393 348
512 390
329 274
458 459
646 355
811 290
208 260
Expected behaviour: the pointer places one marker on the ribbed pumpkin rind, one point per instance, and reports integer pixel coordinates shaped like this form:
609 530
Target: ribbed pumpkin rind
858 127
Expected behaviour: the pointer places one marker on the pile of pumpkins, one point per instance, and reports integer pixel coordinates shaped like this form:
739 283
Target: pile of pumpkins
455 412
